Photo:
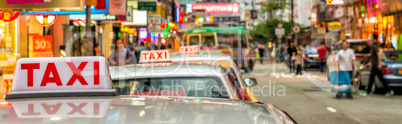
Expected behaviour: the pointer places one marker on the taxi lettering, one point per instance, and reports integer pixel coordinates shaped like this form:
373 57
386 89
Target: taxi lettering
157 55
189 49
151 56
51 74
53 109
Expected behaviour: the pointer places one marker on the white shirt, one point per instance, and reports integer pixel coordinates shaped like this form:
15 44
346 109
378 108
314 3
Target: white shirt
345 59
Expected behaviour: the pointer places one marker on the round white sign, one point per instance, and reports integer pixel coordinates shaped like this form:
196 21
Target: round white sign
296 29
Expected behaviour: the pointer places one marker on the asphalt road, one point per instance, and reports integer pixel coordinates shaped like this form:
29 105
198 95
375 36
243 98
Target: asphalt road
308 99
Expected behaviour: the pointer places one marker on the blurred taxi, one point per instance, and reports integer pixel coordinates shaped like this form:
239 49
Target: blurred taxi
79 90
158 76
192 54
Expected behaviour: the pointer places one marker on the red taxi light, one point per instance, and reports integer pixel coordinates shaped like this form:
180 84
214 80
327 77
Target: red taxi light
386 70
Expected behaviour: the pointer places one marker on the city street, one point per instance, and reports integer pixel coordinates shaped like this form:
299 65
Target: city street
309 101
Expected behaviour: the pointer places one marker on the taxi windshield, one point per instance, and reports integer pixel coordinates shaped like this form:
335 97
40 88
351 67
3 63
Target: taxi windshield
210 87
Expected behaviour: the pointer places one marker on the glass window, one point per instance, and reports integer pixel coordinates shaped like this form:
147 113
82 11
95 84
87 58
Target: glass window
208 40
173 86
393 56
232 40
359 48
194 40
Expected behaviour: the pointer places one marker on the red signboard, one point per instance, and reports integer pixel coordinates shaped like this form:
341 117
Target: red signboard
217 7
8 16
24 1
43 46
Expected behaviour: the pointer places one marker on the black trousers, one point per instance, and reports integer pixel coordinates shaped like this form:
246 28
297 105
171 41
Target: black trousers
298 70
261 51
375 71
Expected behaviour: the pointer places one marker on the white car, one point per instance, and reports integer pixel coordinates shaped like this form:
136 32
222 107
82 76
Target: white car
79 90
224 61
175 79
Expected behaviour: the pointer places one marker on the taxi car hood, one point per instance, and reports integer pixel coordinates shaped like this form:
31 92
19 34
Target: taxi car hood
135 109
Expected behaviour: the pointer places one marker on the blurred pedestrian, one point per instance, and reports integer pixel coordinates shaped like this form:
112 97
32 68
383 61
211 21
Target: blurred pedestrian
138 51
120 55
97 50
299 59
346 60
261 50
291 51
376 66
322 56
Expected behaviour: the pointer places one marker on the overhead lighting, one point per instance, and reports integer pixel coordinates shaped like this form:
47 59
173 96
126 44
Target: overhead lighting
45 20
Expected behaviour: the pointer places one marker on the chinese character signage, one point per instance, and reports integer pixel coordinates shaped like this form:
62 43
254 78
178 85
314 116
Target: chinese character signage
217 7
148 6
8 16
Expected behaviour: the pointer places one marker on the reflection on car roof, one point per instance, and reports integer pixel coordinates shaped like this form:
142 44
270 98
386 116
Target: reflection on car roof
134 109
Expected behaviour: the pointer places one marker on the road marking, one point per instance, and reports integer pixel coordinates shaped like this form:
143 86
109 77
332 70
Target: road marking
331 109
283 75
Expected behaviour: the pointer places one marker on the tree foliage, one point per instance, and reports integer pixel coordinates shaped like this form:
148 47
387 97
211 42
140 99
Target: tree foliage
265 30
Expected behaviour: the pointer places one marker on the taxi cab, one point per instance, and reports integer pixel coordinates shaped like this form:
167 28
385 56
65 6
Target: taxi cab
158 76
192 54
79 90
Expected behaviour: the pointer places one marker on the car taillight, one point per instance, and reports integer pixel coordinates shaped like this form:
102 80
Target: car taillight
386 70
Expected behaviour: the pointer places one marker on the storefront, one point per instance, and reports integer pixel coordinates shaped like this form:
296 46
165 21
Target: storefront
392 24
8 48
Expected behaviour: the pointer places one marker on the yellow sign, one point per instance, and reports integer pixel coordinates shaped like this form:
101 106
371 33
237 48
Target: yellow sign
90 2
334 26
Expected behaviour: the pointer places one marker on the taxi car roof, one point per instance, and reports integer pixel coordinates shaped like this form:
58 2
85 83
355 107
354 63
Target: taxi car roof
169 70
200 57
140 109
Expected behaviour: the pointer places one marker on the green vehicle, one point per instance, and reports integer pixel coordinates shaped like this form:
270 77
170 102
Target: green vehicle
234 41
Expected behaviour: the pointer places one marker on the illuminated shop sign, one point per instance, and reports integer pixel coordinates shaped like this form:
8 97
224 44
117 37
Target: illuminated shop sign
217 7
8 16
45 19
94 10
335 2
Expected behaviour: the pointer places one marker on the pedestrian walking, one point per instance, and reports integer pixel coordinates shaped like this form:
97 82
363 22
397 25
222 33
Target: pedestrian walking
291 49
261 50
322 56
299 59
346 60
376 66
120 55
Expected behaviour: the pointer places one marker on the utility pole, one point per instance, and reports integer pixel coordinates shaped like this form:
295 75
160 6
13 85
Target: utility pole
88 44
291 17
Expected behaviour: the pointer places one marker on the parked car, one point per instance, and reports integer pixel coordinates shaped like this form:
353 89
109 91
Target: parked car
311 57
392 70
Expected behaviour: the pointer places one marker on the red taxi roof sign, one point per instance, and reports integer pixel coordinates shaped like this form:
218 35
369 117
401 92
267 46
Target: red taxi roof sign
154 56
45 77
189 49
